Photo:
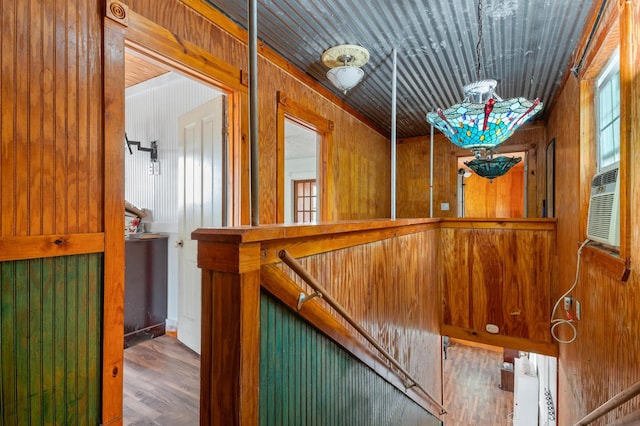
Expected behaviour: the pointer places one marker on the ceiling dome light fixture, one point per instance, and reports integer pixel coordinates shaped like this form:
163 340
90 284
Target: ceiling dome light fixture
345 62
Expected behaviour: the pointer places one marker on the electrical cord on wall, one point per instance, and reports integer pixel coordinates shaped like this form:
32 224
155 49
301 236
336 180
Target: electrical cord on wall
569 320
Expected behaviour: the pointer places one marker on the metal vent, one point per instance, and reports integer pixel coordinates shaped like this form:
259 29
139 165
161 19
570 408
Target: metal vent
600 215
605 178
603 224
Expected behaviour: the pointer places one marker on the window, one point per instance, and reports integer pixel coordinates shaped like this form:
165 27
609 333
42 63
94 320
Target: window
305 201
605 137
608 113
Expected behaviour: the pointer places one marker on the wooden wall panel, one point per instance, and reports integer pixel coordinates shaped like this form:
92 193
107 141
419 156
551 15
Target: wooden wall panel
360 158
604 358
412 177
500 277
445 166
388 287
51 147
50 338
306 377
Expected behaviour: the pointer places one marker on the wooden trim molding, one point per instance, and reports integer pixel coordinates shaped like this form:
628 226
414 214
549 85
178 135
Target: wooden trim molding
41 246
152 40
608 260
544 348
117 12
113 300
548 224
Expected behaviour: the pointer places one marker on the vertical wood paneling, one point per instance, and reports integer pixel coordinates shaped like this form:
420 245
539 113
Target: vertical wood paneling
504 197
498 276
390 295
412 177
50 340
308 379
51 132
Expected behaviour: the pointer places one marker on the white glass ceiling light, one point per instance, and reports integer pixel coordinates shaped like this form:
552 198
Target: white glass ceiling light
345 62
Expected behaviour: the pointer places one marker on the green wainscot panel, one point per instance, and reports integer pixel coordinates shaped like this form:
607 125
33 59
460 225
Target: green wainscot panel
50 337
308 379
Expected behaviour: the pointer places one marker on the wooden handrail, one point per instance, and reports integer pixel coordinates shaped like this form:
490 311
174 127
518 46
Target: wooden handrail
612 403
309 279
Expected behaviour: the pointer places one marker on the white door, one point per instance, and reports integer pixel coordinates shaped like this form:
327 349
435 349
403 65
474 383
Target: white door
202 151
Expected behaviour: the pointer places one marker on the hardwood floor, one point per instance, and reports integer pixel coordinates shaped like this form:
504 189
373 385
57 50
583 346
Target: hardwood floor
161 384
471 377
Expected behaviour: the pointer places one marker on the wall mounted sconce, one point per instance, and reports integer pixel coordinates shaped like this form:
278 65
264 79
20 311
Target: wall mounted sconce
153 150
345 62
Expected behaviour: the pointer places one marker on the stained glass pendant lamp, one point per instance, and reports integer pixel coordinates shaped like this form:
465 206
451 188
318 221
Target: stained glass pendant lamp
483 120
492 168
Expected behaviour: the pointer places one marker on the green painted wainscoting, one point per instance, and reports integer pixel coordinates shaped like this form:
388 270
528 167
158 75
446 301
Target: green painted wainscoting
50 337
307 379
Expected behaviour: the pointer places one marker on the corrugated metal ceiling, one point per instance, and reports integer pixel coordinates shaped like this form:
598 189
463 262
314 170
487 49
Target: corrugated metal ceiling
527 45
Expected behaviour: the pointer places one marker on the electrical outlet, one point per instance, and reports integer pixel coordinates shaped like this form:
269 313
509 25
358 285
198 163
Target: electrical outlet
150 168
578 310
567 303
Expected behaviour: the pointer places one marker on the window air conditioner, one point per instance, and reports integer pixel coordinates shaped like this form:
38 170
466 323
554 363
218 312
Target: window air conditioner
603 224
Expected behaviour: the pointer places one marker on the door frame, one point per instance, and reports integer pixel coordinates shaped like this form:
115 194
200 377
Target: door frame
531 180
138 34
299 114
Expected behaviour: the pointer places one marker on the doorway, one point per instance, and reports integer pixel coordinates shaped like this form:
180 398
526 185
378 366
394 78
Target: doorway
304 141
504 197
183 188
301 176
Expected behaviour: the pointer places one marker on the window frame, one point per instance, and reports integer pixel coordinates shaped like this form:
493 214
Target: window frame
615 33
313 195
300 114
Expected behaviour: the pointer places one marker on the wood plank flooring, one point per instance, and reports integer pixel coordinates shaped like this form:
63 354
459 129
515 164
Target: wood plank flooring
161 384
471 376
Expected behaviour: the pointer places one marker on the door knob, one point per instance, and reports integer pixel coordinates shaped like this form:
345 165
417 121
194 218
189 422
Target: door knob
179 243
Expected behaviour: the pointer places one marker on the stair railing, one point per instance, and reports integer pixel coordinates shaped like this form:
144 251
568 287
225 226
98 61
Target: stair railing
320 291
611 404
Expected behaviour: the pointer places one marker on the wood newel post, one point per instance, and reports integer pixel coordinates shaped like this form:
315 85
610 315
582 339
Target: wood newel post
230 358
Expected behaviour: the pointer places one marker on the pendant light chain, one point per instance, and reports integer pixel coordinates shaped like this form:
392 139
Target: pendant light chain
479 45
